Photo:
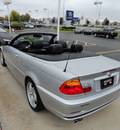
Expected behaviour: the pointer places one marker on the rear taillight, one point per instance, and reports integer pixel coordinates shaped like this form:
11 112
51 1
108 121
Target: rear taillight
74 87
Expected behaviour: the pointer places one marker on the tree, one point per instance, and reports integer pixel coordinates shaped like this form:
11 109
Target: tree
6 18
61 20
53 20
97 22
105 22
1 18
22 18
25 18
87 21
15 16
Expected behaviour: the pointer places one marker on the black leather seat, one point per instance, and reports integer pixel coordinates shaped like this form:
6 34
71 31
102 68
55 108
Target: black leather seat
76 47
64 45
55 49
37 47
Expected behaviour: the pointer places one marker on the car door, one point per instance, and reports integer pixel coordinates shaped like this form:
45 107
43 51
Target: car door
13 57
101 32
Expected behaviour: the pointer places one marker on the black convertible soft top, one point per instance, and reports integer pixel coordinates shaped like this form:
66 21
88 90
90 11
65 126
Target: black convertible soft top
64 56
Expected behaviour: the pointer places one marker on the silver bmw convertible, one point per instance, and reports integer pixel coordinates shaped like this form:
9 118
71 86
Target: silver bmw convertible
67 81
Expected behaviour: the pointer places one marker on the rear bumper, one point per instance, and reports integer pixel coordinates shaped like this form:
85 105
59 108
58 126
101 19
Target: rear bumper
76 109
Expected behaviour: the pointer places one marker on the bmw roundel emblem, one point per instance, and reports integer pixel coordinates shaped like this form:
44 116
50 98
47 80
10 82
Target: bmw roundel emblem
109 74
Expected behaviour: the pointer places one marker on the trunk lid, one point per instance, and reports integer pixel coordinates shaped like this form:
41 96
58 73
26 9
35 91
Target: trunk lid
89 66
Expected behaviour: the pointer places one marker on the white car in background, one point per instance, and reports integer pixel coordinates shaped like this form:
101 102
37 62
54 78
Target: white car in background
29 26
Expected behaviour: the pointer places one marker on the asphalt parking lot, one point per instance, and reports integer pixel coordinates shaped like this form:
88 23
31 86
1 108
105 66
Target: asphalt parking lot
15 113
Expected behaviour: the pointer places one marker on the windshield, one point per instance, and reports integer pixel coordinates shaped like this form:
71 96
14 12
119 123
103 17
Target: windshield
46 39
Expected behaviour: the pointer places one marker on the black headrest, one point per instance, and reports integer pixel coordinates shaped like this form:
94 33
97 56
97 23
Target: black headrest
55 49
76 47
37 44
63 43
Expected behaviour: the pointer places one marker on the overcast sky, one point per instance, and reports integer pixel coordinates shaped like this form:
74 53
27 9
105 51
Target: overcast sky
110 8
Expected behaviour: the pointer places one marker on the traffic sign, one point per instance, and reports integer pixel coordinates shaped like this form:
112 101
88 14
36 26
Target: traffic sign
69 15
76 19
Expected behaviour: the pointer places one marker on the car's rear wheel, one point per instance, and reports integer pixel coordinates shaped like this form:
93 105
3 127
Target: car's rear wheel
33 96
2 60
107 36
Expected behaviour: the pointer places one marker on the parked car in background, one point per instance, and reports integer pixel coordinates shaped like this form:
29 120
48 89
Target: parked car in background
73 90
6 25
29 26
5 36
106 32
85 25
88 31
2 26
79 30
90 25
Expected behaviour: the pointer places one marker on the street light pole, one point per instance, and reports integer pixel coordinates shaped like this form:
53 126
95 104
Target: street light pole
96 3
37 12
45 9
9 18
7 2
58 25
63 11
100 2
98 15
30 14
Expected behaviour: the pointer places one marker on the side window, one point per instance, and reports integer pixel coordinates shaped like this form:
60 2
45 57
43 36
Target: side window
105 29
101 30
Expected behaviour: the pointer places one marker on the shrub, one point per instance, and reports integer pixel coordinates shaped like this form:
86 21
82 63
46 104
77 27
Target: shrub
67 28
17 25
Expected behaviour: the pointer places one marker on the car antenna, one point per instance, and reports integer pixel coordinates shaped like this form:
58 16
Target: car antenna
67 60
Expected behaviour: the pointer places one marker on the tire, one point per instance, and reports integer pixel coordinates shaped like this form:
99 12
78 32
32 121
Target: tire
95 35
2 60
107 36
33 96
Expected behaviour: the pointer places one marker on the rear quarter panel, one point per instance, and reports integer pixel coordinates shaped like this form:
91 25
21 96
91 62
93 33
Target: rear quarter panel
45 74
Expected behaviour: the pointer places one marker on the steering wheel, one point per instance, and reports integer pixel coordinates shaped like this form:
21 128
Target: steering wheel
24 45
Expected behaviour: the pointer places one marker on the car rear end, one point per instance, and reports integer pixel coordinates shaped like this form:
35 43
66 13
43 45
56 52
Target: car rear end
78 30
113 33
90 91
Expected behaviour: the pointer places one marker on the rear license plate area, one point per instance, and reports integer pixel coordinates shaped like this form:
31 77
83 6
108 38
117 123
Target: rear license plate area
107 82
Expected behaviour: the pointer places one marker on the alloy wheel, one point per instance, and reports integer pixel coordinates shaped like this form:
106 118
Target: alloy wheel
32 96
